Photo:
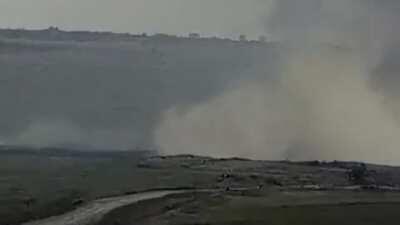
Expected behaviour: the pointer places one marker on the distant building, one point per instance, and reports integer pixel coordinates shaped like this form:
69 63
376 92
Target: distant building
194 35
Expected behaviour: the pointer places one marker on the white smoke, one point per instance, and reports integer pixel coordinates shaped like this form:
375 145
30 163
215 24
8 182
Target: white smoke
49 133
323 107
64 133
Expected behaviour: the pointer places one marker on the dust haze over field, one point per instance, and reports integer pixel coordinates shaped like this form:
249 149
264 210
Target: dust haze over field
335 98
109 95
325 87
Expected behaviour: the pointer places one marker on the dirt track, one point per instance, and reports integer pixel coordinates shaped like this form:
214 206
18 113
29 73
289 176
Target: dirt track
94 211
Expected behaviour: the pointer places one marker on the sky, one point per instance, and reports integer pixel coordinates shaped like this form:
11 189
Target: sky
210 17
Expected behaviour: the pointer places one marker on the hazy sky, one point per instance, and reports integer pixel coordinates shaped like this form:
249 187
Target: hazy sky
211 17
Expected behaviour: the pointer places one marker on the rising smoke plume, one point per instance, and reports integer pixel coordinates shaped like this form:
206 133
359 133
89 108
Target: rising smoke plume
326 104
63 133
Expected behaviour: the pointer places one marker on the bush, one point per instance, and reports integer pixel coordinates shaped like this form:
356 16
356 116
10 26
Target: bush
358 174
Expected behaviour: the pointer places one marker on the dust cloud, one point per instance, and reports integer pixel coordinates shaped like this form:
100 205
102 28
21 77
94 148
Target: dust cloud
46 133
325 104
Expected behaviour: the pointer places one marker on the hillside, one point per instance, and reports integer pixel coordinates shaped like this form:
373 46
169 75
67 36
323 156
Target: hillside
107 90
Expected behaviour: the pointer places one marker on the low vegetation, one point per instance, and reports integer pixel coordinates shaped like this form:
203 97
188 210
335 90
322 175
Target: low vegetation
275 208
38 184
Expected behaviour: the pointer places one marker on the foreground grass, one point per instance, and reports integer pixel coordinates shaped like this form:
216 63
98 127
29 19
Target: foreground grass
374 214
33 187
216 209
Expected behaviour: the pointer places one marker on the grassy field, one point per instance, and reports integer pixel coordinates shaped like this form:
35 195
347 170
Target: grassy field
316 215
320 209
346 208
34 186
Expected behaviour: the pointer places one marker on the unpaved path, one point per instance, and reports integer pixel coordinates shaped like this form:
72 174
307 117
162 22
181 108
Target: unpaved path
94 211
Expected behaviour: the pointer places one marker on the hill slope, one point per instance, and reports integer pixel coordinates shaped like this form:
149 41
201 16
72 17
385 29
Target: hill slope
108 90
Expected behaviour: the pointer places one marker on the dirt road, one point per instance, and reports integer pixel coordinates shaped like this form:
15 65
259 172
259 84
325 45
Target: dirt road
94 211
